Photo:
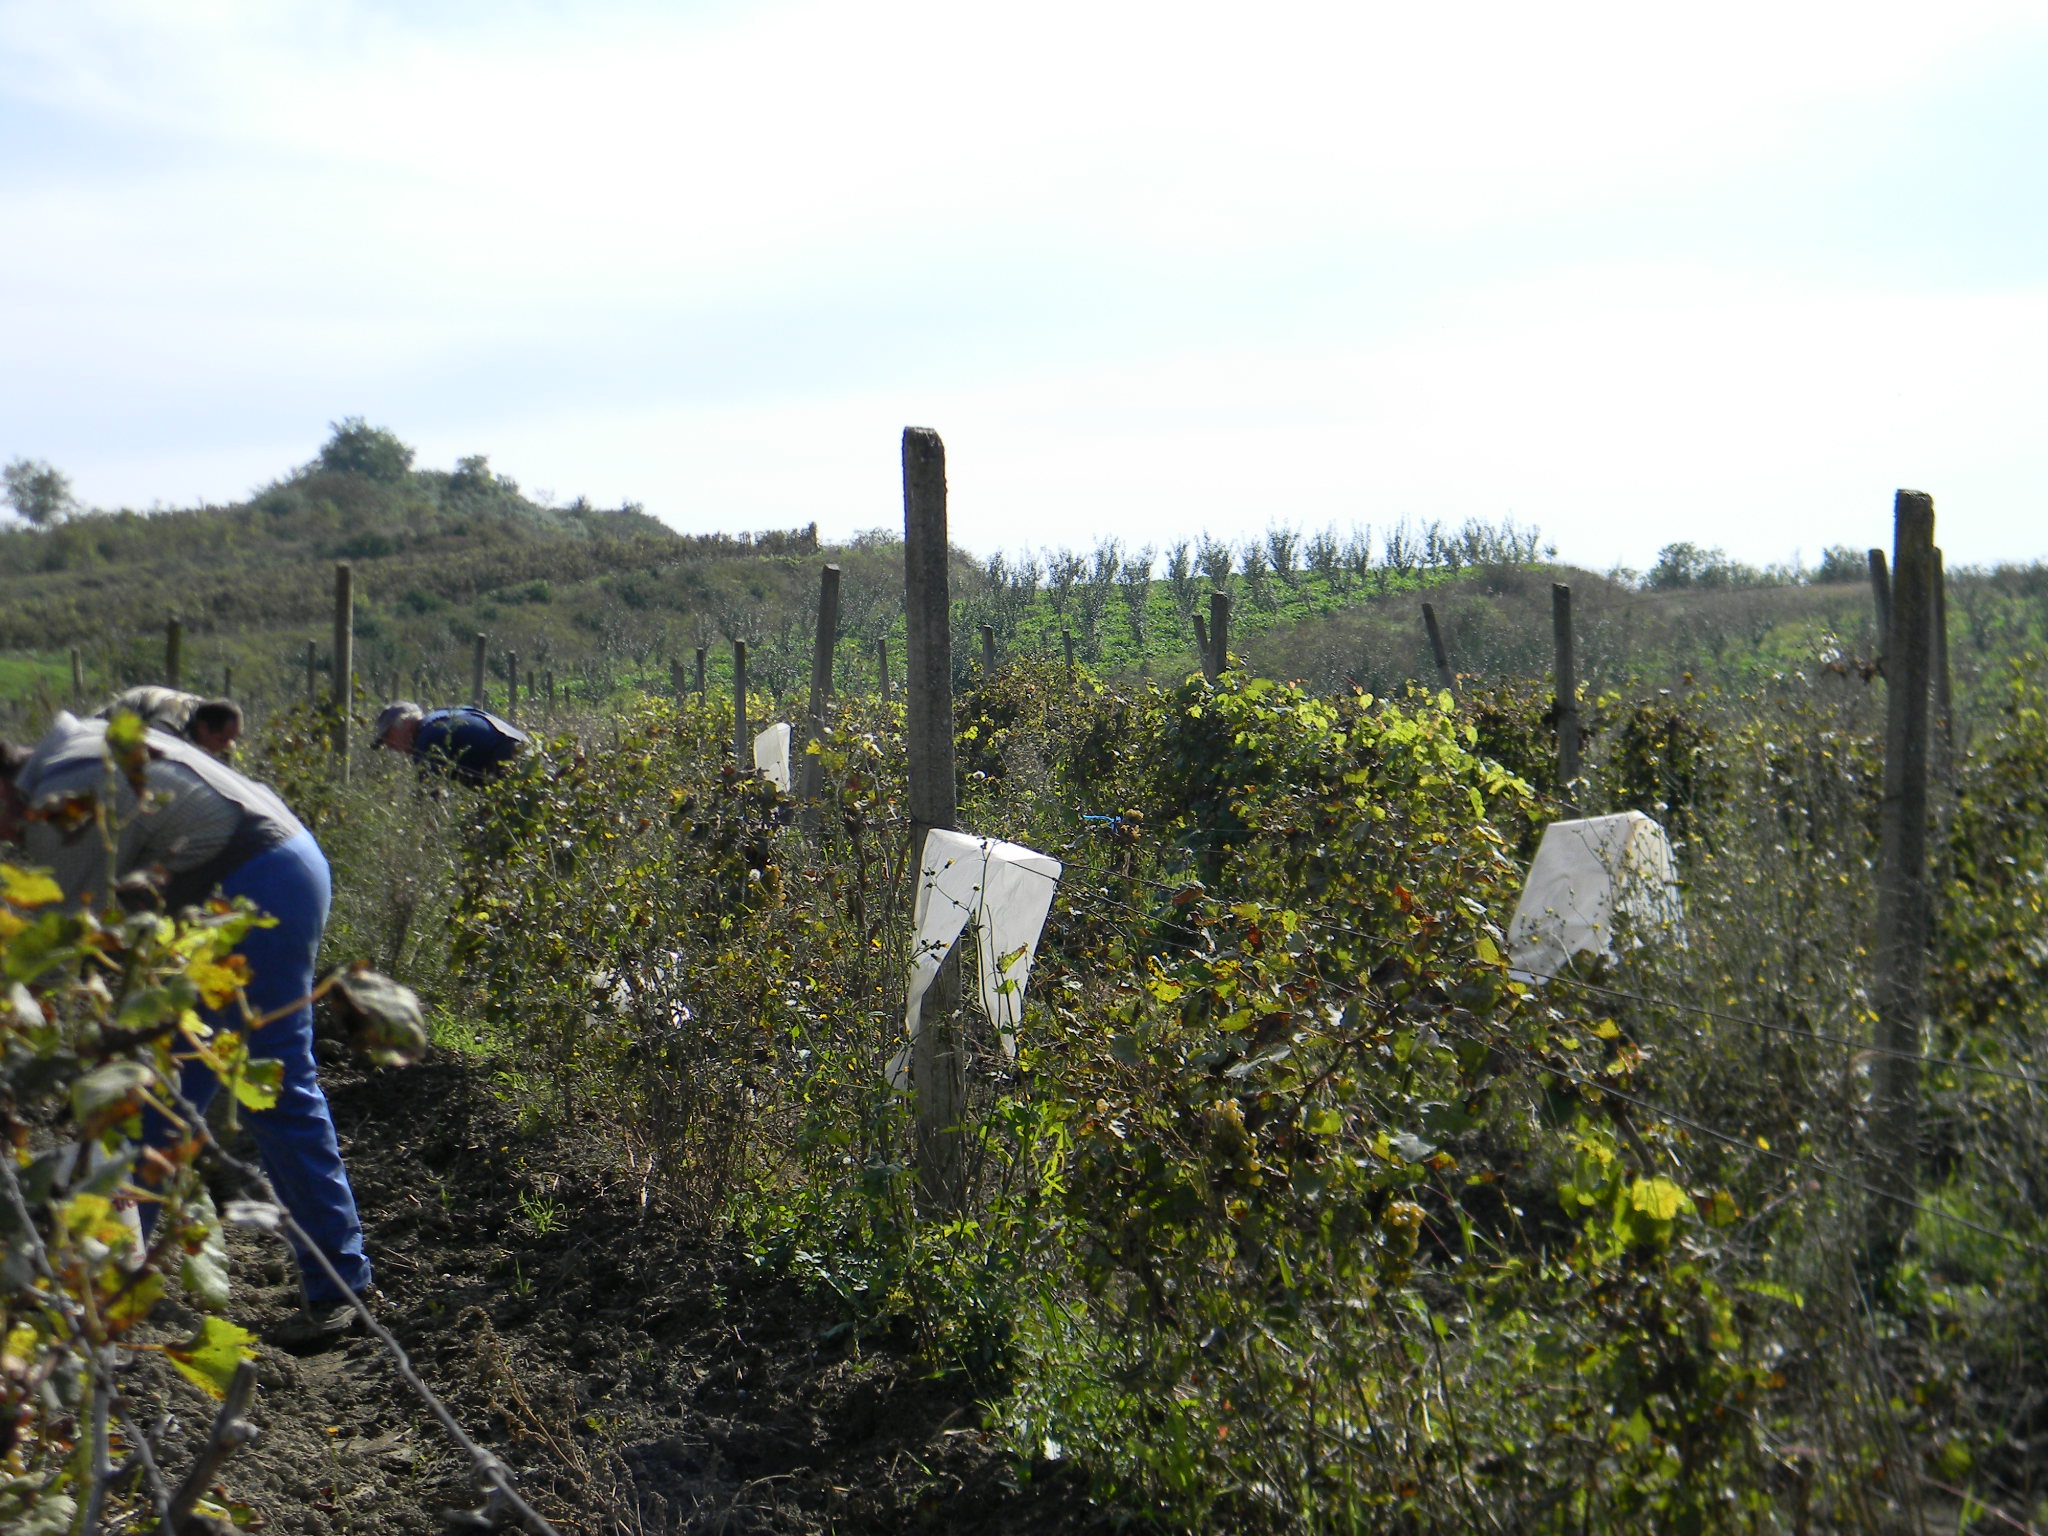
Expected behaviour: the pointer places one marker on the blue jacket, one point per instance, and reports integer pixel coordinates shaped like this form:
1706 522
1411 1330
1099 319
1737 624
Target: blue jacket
470 742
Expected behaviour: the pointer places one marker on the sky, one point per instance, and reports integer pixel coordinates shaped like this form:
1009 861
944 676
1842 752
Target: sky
1631 274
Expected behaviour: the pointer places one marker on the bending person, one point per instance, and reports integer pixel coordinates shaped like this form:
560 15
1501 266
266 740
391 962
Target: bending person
211 830
467 740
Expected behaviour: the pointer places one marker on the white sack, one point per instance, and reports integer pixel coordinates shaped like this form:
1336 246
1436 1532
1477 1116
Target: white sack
771 755
1588 876
1003 889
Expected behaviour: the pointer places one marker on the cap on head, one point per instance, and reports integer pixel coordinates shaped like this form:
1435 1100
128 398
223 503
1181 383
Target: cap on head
162 709
394 714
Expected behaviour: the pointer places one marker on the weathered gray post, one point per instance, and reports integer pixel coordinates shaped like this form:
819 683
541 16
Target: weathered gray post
742 744
344 661
1567 710
988 651
77 678
227 682
1899 990
174 653
476 668
824 649
882 665
937 1066
551 689
1219 631
1881 594
1444 679
703 659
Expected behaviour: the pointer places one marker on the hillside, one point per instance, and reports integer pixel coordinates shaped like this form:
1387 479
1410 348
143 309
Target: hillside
606 598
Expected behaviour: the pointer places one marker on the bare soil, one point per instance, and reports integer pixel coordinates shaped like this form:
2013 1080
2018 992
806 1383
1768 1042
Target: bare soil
634 1376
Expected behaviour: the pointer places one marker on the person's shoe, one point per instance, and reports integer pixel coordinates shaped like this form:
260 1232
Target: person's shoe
314 1328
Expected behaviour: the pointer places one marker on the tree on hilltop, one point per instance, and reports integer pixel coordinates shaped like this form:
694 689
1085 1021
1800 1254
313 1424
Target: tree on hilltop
38 491
357 448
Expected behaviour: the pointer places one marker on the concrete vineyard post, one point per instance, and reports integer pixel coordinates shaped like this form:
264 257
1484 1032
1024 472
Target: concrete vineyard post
550 675
476 669
742 746
824 647
1904 910
703 657
344 661
1219 632
1444 678
937 1065
1567 710
174 653
1881 597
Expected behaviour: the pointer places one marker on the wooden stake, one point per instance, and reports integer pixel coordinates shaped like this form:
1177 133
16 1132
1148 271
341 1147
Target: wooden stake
174 653
1899 989
703 658
1944 697
1219 632
742 743
938 1065
77 678
1444 679
476 669
1881 593
344 661
227 682
551 690
1567 707
824 649
988 651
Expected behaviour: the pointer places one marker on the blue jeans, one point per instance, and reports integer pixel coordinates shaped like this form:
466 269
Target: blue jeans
295 1137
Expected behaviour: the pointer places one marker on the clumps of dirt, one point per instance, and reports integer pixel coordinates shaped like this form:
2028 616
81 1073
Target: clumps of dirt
635 1377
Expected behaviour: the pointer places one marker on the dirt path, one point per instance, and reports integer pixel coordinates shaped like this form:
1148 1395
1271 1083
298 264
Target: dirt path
635 1379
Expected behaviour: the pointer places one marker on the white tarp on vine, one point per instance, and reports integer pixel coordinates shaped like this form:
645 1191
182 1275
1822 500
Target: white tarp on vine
771 755
1590 877
1004 890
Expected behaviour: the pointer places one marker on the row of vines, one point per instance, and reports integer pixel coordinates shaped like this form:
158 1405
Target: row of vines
1295 1209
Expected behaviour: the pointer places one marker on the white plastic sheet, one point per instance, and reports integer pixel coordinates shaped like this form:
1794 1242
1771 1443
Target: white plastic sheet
1588 876
1005 890
771 755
